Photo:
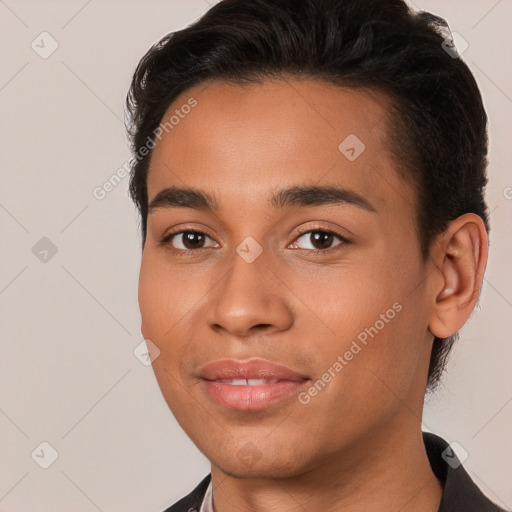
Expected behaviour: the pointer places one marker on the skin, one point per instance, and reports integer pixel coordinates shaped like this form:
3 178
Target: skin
357 444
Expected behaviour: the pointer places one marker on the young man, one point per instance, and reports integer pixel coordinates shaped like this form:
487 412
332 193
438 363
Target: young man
310 177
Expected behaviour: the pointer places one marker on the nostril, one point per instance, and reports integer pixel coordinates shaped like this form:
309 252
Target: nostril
261 326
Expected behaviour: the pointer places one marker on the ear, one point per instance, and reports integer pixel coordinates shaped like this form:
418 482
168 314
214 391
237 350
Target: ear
460 256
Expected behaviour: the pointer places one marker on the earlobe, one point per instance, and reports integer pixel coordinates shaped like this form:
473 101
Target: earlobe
461 261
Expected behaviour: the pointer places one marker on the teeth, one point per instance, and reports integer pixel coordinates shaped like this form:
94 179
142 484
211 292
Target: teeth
260 382
248 382
235 382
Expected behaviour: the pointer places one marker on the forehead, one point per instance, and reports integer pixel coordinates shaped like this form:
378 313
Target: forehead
245 139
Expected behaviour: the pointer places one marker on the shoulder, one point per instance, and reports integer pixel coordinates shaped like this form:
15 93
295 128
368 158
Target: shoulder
460 493
192 501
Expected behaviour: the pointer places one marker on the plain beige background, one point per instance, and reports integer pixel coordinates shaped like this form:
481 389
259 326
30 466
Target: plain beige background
70 320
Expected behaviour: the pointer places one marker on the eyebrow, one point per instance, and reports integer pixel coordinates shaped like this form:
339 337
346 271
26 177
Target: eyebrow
294 196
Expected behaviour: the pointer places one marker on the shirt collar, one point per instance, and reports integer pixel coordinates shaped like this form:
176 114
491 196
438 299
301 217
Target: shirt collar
207 505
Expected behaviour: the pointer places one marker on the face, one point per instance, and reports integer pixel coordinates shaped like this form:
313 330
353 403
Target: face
280 233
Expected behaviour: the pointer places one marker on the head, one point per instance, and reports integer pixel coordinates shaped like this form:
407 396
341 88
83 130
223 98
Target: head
279 126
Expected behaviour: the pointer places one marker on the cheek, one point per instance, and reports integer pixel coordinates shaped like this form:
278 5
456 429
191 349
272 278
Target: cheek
150 299
371 316
171 299
161 311
165 296
349 299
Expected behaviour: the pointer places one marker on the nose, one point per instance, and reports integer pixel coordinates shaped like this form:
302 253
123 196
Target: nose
250 299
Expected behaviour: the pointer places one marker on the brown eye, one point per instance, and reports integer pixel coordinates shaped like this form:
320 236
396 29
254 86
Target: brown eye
318 240
189 240
193 240
321 239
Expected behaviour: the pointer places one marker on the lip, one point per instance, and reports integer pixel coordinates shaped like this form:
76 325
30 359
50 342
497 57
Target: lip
252 369
283 383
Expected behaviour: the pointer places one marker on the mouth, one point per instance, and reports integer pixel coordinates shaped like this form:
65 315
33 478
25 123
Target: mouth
236 371
248 382
250 385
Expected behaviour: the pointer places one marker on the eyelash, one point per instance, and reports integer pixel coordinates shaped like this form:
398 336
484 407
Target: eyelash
165 241
343 240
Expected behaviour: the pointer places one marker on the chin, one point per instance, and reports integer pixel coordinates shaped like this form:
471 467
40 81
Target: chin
251 462
262 471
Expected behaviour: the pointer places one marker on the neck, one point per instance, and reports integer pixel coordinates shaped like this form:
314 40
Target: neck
388 471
